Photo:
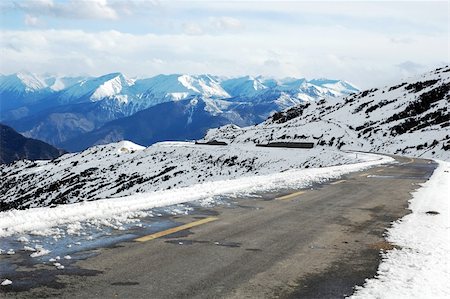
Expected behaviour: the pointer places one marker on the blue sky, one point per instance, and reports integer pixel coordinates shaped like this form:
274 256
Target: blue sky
366 43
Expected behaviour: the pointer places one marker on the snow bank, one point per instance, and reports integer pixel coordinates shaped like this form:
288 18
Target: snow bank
6 282
128 146
421 268
40 220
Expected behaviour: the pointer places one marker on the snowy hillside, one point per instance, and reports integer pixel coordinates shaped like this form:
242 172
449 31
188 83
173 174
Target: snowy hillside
411 118
124 168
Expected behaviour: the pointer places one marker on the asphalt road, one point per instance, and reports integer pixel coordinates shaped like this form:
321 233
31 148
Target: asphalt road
314 244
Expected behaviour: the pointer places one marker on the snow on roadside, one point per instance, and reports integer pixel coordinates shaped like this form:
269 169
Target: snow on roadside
42 220
421 267
6 282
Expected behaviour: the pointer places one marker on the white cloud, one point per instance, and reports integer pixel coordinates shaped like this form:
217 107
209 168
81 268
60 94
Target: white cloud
410 67
192 28
81 9
363 42
226 23
364 59
30 20
89 9
214 25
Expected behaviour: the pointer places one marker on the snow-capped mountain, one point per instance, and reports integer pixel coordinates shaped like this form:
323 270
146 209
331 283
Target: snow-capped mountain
22 82
112 86
143 93
57 83
177 87
411 118
244 86
21 89
25 93
69 107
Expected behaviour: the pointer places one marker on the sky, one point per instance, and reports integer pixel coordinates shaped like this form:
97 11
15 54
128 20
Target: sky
366 43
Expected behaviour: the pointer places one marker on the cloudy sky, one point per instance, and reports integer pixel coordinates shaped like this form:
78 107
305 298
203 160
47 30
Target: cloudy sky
367 43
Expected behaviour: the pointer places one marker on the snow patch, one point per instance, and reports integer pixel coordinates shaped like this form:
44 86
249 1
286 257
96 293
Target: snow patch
28 248
40 252
23 239
6 282
420 268
128 146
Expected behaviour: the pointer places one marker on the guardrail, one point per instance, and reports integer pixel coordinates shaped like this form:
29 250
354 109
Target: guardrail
288 144
212 142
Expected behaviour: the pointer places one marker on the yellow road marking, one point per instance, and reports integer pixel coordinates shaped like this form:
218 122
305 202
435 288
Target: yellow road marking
364 174
379 170
337 182
290 196
175 229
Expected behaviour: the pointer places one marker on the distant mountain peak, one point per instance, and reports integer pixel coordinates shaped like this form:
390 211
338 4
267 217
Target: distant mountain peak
112 85
22 82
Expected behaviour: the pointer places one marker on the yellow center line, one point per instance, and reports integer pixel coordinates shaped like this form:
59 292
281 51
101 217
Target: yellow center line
290 196
379 170
364 174
175 229
337 182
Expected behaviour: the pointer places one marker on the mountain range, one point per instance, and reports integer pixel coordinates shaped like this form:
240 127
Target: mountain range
63 110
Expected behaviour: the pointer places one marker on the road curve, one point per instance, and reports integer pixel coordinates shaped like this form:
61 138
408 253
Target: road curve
312 244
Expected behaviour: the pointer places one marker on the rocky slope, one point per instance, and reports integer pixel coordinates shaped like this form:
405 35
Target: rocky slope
410 118
14 146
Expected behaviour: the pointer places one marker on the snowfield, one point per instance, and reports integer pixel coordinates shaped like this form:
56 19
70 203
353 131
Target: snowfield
50 220
420 267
